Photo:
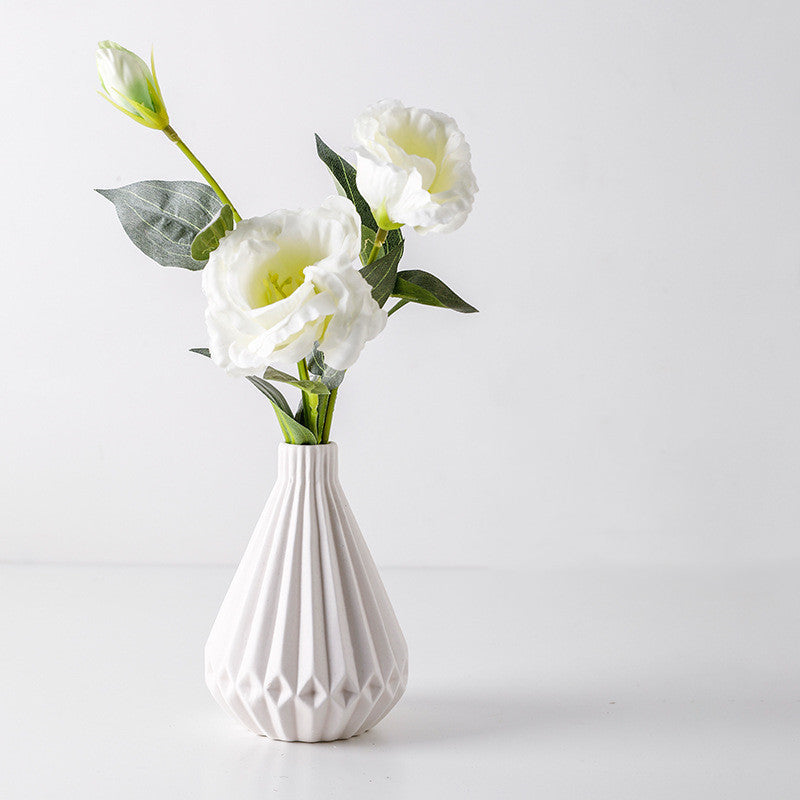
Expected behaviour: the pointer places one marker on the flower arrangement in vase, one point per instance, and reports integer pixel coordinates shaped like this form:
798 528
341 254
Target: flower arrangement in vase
306 645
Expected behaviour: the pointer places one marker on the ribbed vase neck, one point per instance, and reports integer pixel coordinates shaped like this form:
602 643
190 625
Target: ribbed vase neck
313 461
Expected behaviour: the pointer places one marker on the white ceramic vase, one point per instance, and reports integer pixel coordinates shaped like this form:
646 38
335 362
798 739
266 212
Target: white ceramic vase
306 646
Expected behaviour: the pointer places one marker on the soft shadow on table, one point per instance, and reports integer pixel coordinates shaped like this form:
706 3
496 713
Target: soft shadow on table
442 716
424 718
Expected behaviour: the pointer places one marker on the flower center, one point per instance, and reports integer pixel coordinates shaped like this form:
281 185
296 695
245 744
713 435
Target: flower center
279 274
276 289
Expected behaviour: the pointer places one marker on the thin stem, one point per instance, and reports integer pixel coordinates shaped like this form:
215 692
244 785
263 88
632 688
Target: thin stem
302 369
380 238
308 412
326 430
170 133
396 307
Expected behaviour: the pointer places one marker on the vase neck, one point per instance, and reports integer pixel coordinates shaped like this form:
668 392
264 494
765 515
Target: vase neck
313 461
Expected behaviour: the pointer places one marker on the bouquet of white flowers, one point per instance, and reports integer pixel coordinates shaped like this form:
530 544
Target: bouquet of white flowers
305 287
306 645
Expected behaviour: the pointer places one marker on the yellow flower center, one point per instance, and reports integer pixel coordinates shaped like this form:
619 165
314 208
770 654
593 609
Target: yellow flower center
281 274
276 289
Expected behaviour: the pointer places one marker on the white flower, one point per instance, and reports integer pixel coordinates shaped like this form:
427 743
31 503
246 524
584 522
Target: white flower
130 85
279 283
413 168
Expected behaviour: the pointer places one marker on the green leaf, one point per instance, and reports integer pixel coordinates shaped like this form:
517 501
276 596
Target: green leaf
381 274
344 174
312 413
312 391
393 239
318 414
294 432
162 218
270 391
321 411
331 377
209 238
419 286
312 387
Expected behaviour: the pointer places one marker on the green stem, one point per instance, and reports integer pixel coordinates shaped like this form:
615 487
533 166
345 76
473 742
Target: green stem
396 307
380 238
170 133
326 430
309 413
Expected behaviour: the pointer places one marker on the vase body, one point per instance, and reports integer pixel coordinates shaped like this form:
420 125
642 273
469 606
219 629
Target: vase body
306 645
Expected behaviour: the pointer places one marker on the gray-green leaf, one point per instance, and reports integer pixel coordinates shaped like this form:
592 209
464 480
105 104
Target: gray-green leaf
209 238
201 351
331 377
312 387
344 174
381 274
293 431
419 286
162 218
270 391
322 408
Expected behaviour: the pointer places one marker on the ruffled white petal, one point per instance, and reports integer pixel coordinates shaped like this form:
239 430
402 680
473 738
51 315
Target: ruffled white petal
359 318
392 192
428 150
311 256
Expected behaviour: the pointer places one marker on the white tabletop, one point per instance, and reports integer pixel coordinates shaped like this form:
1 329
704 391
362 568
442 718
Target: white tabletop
621 682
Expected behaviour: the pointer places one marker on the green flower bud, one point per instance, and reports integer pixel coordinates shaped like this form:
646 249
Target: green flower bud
130 85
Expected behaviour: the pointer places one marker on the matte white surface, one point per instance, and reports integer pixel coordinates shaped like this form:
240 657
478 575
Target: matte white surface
306 645
629 392
616 683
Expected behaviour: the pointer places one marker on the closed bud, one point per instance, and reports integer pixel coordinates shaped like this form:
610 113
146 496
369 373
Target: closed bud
130 85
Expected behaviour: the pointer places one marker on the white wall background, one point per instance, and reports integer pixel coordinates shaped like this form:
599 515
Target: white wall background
630 391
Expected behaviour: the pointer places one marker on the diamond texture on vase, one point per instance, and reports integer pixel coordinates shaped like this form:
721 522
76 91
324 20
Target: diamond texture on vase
306 646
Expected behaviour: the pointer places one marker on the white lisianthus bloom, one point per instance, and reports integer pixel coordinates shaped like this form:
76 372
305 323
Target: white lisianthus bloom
130 85
279 283
413 168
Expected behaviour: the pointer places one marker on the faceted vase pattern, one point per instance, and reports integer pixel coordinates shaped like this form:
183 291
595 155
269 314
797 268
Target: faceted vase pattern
306 646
